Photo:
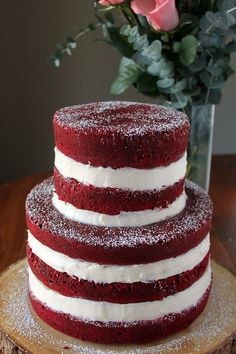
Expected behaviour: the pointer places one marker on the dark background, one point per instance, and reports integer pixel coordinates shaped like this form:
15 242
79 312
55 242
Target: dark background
32 89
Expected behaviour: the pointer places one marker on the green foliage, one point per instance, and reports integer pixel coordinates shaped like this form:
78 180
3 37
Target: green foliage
119 41
66 47
188 50
184 67
129 73
146 84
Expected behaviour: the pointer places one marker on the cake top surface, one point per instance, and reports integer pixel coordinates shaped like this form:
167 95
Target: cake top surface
198 212
126 118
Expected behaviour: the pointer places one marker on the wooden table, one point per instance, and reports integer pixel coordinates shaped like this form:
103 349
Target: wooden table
222 191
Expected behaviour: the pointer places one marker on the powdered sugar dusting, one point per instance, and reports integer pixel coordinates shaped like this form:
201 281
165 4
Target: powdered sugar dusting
204 334
198 212
126 118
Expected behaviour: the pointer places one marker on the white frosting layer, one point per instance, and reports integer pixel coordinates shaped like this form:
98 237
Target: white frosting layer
100 273
124 219
110 312
124 178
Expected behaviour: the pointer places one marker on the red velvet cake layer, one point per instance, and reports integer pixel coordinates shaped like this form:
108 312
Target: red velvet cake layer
112 201
120 293
121 134
119 245
114 333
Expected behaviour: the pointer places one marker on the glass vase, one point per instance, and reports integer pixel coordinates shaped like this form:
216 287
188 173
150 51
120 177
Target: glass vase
200 144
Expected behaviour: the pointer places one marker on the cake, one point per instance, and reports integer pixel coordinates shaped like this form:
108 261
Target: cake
118 240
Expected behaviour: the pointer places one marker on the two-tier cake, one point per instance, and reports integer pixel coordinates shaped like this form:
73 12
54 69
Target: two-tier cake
118 242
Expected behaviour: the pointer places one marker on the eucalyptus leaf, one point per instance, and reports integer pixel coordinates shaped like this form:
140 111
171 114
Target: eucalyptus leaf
178 101
138 41
125 30
211 40
133 33
188 51
180 85
57 63
165 83
71 43
155 68
167 71
68 51
152 52
219 83
212 82
198 65
139 59
177 88
224 20
166 91
218 67
207 22
129 73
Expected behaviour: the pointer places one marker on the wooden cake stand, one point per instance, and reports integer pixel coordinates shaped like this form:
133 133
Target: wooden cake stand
23 332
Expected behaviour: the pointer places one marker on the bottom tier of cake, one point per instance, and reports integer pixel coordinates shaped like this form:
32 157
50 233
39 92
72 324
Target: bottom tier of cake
114 332
158 318
212 332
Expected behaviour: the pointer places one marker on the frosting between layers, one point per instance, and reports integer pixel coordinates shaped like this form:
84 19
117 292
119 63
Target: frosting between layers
124 219
124 178
110 312
100 273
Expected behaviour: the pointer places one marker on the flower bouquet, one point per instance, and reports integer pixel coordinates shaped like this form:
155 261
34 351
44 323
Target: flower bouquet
177 52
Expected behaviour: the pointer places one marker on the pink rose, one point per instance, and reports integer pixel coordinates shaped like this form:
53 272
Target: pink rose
162 14
110 2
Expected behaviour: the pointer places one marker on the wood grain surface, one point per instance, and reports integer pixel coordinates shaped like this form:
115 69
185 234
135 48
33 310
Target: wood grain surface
222 191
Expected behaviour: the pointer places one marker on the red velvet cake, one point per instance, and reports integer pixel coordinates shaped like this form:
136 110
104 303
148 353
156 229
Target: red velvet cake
121 134
118 241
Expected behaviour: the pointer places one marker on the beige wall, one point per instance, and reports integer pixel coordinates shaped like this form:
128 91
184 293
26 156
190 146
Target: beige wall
31 89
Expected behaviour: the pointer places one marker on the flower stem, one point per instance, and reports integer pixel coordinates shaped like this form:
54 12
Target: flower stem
125 15
231 10
80 34
212 4
137 19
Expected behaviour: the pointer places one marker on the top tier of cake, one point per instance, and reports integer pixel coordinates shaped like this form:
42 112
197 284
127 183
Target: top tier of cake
120 163
121 134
